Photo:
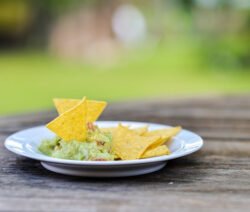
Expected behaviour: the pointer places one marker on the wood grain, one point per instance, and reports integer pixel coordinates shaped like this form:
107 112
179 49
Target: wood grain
217 178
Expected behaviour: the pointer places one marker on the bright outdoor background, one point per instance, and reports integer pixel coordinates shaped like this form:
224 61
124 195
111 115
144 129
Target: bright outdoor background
121 50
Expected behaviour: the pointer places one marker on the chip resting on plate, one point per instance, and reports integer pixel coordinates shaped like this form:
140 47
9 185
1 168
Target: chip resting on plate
158 151
94 108
141 130
138 130
166 134
128 145
71 125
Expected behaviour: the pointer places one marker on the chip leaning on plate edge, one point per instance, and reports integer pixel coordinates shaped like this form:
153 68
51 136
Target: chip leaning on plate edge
78 138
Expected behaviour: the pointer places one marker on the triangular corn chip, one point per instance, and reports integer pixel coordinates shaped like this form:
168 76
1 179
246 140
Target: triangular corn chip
128 145
94 108
71 125
63 105
141 130
158 151
138 131
166 134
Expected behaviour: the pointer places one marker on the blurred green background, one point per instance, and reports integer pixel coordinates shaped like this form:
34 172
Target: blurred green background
121 50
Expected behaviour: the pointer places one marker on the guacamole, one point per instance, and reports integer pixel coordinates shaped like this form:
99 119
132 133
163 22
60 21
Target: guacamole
97 147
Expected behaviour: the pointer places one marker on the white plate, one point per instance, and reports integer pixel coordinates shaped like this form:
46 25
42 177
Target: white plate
26 143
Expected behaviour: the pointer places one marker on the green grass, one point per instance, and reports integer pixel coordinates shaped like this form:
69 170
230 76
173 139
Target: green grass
29 80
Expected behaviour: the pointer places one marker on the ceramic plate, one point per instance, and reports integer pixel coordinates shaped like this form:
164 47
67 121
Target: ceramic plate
26 143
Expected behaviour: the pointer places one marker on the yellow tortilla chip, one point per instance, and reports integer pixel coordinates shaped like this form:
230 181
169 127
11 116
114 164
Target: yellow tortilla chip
139 130
94 108
71 125
166 134
158 151
160 142
128 145
63 105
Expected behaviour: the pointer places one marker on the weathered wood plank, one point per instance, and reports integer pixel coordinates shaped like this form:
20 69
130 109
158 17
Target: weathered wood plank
95 202
129 202
210 178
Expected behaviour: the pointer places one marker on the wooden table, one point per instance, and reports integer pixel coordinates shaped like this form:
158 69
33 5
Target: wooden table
217 178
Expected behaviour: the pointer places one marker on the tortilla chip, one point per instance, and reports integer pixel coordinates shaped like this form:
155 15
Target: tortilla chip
94 108
158 151
63 105
141 130
138 131
71 125
166 134
128 145
160 142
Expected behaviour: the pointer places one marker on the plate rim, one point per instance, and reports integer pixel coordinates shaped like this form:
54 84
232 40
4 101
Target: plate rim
44 158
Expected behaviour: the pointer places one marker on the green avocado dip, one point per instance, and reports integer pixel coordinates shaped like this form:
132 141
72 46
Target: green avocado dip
97 147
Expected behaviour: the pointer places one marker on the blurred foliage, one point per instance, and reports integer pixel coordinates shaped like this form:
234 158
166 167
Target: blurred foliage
32 79
191 49
14 16
220 27
227 54
13 13
60 6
